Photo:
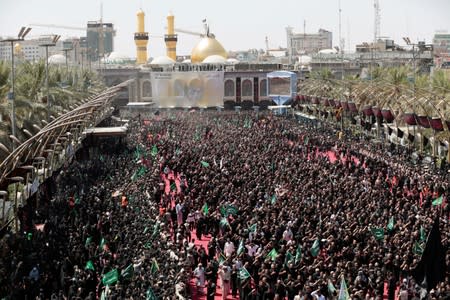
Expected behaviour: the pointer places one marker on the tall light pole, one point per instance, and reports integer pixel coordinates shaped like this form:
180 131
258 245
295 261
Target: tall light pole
421 46
46 45
11 96
65 52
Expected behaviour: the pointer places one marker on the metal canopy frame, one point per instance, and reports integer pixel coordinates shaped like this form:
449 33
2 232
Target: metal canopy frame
60 132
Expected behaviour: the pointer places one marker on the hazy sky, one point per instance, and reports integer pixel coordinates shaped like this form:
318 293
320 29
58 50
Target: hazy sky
237 24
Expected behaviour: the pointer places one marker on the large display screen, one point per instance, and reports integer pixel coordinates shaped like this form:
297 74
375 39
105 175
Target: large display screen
279 85
187 89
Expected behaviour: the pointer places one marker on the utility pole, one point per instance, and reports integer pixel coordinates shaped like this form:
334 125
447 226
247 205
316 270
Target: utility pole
11 96
341 46
65 52
46 45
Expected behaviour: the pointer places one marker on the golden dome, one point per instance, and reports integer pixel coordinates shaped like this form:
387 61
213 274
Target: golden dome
206 47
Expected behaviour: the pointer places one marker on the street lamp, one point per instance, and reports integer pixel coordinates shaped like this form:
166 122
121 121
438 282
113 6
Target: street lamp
16 180
46 45
65 52
421 47
20 37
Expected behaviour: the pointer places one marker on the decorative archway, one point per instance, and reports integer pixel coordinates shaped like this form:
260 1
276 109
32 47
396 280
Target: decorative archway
147 89
263 88
247 88
229 88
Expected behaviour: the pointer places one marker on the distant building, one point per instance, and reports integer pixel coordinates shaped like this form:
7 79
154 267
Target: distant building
380 45
100 39
76 50
29 49
306 43
441 49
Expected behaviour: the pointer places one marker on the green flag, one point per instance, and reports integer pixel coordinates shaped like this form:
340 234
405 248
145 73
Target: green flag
149 295
177 151
173 186
128 272
224 222
343 291
154 151
272 254
423 236
111 277
252 228
247 123
141 171
378 233
390 225
240 248
289 258
155 267
148 245
134 177
88 241
298 254
89 266
243 274
145 229
196 135
204 163
273 199
205 209
102 243
227 210
331 288
155 230
418 248
315 249
137 153
103 296
438 200
221 259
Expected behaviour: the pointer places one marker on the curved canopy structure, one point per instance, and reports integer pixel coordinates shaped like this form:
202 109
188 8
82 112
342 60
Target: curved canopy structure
62 135
389 98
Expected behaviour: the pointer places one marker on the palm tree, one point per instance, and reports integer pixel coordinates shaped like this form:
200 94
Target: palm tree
66 88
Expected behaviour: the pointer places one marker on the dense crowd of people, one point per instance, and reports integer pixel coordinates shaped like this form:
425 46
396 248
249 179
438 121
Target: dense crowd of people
287 221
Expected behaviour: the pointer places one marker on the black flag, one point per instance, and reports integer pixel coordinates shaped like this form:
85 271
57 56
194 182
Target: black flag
432 264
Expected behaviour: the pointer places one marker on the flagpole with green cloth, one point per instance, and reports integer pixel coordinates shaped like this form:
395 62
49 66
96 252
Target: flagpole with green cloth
111 277
315 248
205 209
438 200
272 254
343 290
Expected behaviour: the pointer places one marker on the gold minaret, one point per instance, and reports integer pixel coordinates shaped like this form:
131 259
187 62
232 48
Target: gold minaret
171 38
141 39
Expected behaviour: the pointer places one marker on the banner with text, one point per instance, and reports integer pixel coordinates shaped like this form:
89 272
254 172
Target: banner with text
187 89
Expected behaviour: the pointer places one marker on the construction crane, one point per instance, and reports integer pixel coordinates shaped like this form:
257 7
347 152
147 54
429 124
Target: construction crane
76 28
207 33
59 26
189 32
